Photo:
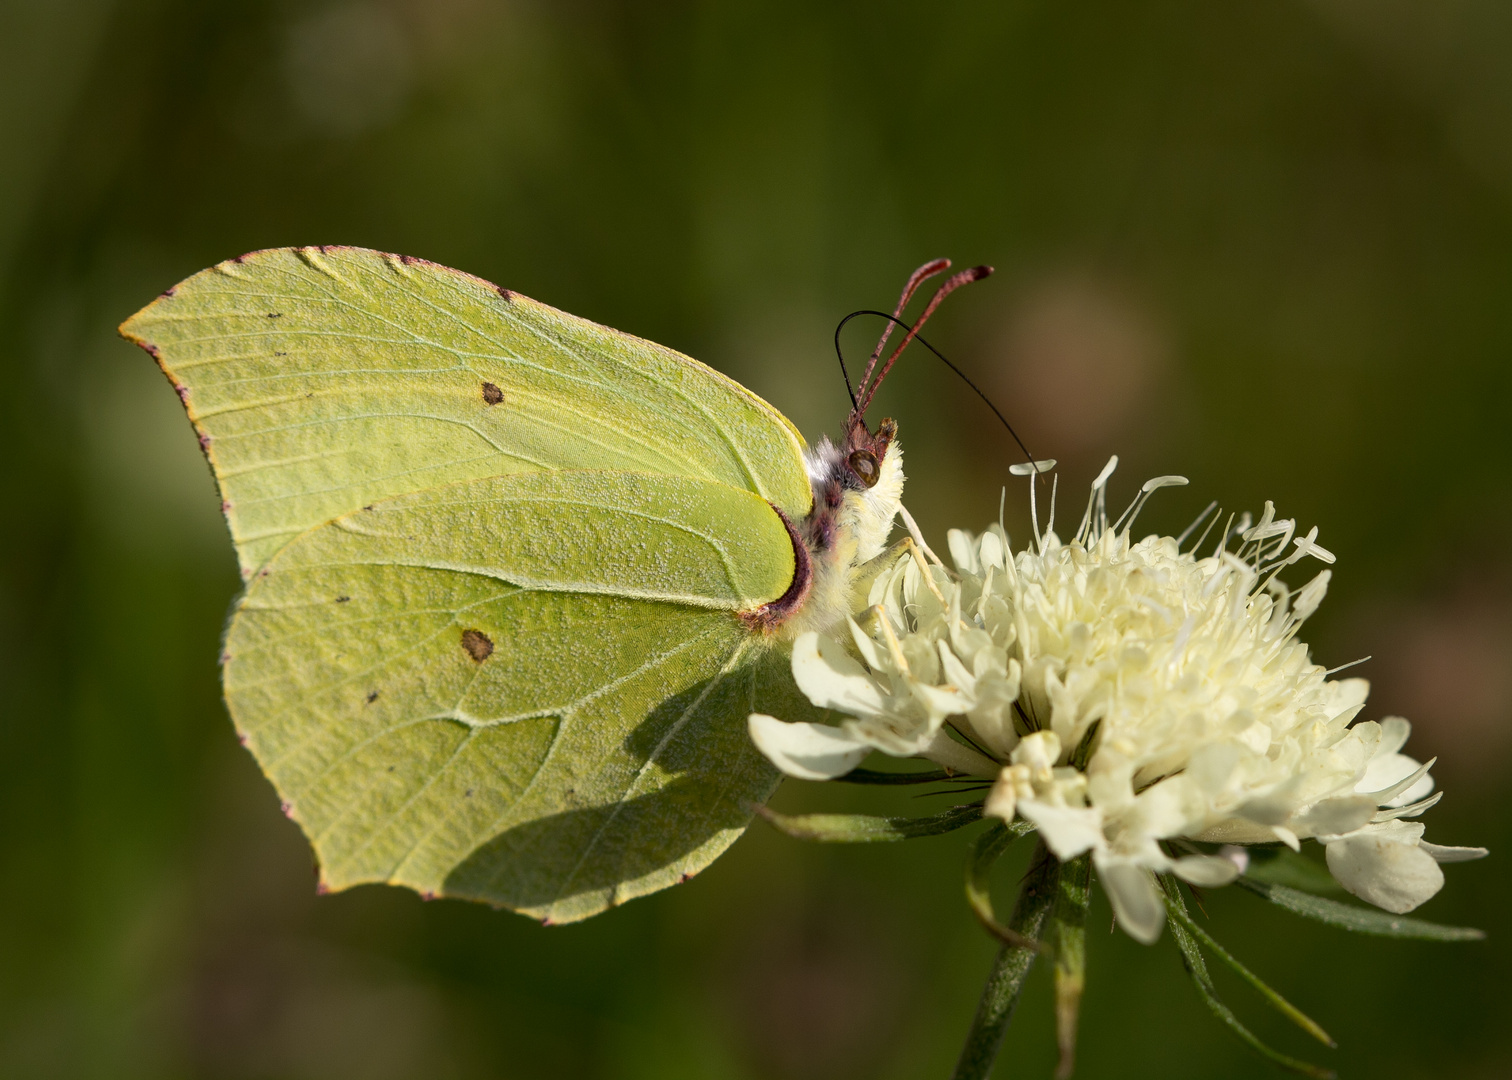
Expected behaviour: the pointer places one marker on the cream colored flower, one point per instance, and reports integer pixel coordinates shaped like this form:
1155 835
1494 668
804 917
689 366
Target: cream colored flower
1126 694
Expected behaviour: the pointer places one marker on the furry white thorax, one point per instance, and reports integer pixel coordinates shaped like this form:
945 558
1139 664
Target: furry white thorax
847 528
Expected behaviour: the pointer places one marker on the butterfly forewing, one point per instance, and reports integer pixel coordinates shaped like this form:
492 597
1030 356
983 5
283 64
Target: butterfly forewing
322 380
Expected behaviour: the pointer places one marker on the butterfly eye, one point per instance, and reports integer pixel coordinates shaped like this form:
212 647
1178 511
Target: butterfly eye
864 464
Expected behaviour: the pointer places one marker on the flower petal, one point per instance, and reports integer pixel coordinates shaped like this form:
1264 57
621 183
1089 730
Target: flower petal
1384 871
1207 871
1394 733
1410 810
1395 779
1135 902
939 701
1334 817
955 671
1287 837
1038 750
807 751
831 678
1164 809
1002 799
1453 854
1068 830
869 649
943 750
963 551
992 551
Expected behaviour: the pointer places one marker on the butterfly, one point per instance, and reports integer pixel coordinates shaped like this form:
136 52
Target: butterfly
513 580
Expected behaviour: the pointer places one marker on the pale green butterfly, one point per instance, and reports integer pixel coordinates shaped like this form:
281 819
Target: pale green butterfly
514 580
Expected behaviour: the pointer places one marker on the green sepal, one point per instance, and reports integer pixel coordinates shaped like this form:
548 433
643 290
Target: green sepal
989 847
1068 940
1361 920
1196 967
871 776
1180 914
869 828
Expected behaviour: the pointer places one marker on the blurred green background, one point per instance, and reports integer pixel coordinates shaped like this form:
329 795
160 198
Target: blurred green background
1264 244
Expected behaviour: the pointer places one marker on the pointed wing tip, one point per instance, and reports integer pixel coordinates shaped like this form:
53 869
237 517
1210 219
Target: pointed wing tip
134 328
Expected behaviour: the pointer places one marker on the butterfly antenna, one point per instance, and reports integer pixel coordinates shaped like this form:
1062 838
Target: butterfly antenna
912 331
917 278
965 277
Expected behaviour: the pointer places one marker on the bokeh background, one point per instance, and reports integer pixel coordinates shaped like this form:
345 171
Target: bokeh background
1263 243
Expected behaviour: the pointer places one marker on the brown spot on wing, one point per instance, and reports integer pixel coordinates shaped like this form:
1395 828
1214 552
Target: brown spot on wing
477 644
492 394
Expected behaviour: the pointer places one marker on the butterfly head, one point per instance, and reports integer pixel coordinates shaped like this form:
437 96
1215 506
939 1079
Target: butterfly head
857 484
863 452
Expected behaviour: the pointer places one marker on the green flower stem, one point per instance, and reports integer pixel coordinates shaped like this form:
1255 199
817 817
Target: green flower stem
1068 937
1013 963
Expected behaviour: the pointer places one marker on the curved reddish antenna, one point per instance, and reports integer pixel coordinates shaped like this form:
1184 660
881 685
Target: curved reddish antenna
954 282
917 278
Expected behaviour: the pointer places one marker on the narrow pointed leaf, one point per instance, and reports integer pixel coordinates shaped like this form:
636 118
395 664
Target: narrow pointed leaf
1361 920
1279 1003
870 776
868 828
1191 955
988 848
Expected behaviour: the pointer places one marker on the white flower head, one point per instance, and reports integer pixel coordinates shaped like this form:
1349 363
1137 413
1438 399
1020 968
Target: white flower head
1125 696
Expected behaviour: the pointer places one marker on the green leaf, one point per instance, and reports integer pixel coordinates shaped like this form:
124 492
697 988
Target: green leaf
1283 866
1279 1003
868 829
989 847
1196 967
1361 920
869 776
1068 940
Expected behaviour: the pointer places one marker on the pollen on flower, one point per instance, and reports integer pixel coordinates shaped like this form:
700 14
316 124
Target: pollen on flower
1127 697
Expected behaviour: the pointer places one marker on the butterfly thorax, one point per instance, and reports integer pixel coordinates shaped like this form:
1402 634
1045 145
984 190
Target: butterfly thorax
858 487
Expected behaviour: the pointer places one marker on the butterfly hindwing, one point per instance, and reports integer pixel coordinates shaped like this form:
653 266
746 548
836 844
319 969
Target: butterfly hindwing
321 380
526 689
